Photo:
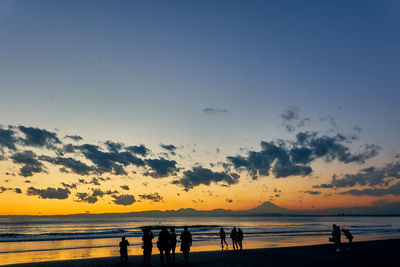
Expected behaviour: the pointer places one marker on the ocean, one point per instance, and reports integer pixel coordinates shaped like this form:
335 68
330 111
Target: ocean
46 239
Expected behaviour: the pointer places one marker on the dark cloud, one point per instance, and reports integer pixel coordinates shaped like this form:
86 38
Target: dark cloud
139 150
39 137
7 139
312 192
331 147
113 162
4 189
371 176
114 147
199 175
286 158
71 186
76 138
125 187
154 197
50 192
94 196
161 167
214 111
291 118
70 165
274 157
68 148
391 190
98 180
30 163
85 197
124 200
170 148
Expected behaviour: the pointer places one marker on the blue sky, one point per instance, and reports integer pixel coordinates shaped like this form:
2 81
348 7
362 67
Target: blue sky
145 71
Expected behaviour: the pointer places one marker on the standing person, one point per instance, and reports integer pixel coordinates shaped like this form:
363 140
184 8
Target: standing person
173 242
123 249
147 245
222 236
240 238
163 244
234 236
186 243
349 236
336 237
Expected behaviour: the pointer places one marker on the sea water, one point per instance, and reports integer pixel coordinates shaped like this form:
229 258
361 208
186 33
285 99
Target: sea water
36 239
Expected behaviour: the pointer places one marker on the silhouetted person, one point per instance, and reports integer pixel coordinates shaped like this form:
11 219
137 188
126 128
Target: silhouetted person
147 245
123 249
240 238
186 243
234 237
173 243
222 236
164 244
349 236
336 237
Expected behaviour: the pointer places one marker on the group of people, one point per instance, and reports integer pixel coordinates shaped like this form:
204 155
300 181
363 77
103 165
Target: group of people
166 244
236 236
336 236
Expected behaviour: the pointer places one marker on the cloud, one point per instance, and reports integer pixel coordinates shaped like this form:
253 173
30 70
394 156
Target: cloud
170 148
391 190
370 176
154 197
311 192
76 138
291 118
113 161
39 137
287 158
114 147
4 189
85 197
71 186
199 175
7 139
124 200
94 196
160 167
214 111
50 192
274 157
139 150
125 187
70 164
30 163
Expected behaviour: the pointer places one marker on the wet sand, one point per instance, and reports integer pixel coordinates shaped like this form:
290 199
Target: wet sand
368 253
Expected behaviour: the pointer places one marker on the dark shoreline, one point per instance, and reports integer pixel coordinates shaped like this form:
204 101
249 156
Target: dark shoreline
366 253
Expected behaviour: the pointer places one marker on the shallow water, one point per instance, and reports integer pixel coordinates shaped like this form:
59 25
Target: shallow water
57 239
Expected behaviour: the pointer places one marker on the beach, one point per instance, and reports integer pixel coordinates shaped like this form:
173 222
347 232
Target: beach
366 253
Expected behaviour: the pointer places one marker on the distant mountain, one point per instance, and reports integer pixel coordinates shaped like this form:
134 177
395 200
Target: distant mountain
265 209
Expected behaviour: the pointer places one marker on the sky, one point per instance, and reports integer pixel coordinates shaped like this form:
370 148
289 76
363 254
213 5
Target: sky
119 106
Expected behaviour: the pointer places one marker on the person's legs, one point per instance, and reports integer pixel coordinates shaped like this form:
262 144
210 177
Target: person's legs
186 255
222 244
168 255
162 256
173 253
